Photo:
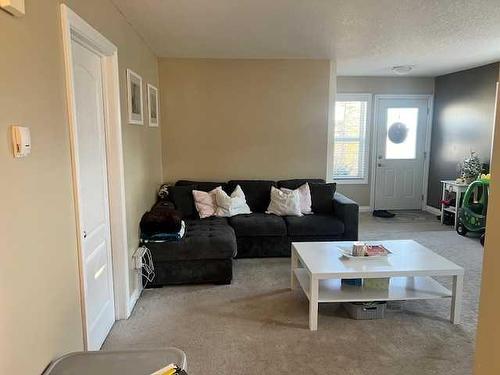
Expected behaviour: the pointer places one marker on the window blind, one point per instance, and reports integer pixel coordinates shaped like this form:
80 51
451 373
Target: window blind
350 140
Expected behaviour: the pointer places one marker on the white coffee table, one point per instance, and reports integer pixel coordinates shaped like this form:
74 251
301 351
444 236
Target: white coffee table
318 268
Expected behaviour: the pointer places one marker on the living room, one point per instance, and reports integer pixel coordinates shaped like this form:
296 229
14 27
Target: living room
301 127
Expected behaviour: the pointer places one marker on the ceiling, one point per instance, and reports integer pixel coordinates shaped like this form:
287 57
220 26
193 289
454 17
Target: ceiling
364 37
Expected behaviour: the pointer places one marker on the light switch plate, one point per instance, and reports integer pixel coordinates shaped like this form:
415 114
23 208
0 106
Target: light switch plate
21 141
14 7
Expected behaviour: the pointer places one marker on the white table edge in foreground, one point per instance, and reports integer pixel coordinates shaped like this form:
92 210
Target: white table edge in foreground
326 287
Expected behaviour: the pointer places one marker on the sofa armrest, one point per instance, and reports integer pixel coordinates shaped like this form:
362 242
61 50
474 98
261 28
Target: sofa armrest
348 212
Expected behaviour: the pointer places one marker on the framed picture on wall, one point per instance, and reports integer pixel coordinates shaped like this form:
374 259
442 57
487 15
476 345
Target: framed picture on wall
135 108
153 107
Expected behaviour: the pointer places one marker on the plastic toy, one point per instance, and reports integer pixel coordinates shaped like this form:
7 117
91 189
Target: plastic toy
472 214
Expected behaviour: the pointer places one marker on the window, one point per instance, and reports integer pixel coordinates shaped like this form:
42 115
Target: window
350 155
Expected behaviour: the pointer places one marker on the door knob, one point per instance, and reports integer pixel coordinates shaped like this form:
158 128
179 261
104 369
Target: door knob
84 234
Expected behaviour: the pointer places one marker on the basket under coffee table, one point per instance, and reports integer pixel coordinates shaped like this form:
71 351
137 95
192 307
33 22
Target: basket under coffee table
318 268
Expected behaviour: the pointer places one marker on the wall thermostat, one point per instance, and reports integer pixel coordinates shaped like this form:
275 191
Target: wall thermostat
21 141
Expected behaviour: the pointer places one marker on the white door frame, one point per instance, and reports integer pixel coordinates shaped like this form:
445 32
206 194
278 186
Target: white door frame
427 147
75 28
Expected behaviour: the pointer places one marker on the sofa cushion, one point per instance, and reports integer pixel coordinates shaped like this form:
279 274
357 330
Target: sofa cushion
322 197
202 185
233 205
182 198
257 192
284 202
210 238
305 201
205 202
258 224
264 246
297 182
314 225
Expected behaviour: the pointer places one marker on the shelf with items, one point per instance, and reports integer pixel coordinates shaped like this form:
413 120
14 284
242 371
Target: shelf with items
399 288
452 192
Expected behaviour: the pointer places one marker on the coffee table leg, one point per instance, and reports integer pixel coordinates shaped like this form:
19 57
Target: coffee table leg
295 264
313 304
456 299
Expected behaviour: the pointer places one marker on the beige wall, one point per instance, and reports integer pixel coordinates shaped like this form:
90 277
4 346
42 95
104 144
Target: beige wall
487 360
40 313
39 289
381 86
225 119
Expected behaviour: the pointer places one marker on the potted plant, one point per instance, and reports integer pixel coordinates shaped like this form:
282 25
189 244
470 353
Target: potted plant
470 168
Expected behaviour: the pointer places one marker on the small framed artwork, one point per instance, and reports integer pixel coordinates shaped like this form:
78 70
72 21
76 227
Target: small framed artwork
153 108
135 105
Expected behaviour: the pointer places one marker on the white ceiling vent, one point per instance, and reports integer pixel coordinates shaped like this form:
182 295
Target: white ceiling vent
402 69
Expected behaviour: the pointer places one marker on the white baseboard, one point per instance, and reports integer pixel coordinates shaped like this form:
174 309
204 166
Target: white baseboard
365 209
133 300
432 210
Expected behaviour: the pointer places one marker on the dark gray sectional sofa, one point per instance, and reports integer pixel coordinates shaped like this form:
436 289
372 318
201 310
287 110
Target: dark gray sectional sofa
205 253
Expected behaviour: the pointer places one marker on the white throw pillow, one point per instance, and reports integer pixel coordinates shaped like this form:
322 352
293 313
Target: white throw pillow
235 204
305 198
284 203
205 202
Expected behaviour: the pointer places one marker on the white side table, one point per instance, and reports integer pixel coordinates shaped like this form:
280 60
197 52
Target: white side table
459 189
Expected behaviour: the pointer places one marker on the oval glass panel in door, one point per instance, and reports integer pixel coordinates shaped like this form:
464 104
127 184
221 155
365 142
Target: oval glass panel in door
397 132
401 130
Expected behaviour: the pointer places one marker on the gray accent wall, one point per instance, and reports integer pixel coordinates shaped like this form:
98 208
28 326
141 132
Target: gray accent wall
464 104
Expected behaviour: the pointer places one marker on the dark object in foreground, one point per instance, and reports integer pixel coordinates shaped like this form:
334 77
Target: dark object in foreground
383 213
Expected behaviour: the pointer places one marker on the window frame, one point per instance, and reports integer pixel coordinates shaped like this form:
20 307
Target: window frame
361 97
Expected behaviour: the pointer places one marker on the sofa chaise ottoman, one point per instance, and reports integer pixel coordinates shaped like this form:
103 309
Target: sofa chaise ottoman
204 255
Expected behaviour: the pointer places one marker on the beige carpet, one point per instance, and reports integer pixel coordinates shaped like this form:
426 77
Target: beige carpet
257 325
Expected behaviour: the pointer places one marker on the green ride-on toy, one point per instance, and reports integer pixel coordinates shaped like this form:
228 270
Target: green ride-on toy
472 214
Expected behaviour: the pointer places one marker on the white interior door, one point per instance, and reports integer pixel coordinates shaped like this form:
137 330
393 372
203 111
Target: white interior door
93 202
400 152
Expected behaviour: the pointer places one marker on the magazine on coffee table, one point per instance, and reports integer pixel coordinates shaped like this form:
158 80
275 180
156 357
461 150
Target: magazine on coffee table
372 252
376 250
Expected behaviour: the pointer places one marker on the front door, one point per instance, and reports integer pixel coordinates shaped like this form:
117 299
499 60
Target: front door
401 125
93 199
